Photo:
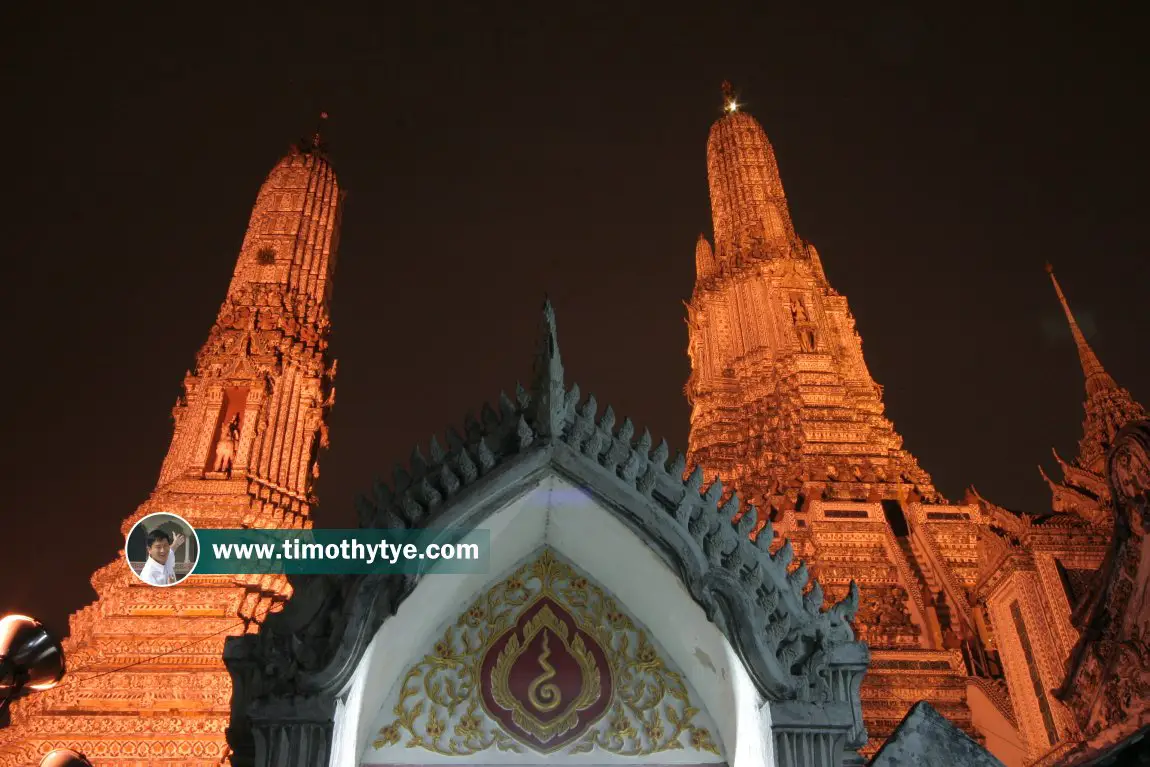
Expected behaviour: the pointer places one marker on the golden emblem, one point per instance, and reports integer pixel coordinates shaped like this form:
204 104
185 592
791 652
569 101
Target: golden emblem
552 696
543 696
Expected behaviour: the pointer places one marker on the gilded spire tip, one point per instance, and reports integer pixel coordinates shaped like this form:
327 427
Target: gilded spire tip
317 141
730 104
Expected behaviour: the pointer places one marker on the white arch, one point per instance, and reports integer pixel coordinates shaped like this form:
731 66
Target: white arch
557 514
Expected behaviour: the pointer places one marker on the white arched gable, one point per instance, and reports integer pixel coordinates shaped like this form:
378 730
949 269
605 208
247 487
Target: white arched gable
588 540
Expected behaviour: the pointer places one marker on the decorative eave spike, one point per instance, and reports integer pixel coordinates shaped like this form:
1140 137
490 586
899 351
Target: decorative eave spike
547 388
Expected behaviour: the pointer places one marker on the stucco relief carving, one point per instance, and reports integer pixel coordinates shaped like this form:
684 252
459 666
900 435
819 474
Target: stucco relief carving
1130 476
884 619
1111 663
545 661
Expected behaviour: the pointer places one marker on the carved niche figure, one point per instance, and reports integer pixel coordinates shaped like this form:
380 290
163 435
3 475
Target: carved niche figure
799 311
226 448
802 318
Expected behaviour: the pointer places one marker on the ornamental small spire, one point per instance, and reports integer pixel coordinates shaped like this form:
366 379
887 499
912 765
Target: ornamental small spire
1091 366
704 258
548 392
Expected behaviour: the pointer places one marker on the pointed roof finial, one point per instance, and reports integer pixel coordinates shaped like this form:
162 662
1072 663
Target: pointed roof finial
730 104
548 390
1091 366
316 143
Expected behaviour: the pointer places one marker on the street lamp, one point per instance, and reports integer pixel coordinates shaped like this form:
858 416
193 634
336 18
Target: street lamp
63 757
30 658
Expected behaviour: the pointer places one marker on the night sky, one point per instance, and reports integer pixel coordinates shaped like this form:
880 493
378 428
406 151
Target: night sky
935 161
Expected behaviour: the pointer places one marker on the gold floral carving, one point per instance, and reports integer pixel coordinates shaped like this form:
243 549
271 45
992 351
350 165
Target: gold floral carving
440 705
542 694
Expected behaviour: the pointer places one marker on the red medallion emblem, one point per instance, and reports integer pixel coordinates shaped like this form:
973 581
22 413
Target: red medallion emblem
545 679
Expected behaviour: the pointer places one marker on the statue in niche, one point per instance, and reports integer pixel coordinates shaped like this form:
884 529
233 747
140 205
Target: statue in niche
226 448
802 317
799 311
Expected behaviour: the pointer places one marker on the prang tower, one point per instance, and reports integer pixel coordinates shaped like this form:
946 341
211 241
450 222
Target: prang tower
785 409
146 683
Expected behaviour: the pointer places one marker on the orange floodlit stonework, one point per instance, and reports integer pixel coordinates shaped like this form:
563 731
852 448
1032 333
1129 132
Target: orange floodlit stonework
1041 580
967 606
785 410
1020 628
146 683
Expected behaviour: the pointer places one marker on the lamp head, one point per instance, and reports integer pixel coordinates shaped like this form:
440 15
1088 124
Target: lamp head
29 656
63 757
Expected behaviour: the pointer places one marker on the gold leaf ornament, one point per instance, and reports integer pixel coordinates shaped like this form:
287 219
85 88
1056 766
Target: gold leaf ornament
650 711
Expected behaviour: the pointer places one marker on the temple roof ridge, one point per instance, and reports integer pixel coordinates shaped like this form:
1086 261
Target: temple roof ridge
1012 521
777 613
1080 478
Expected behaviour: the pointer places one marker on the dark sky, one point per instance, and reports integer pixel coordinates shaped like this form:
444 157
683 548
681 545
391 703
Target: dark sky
936 162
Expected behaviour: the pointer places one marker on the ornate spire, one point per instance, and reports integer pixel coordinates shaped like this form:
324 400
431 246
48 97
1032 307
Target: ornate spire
762 308
1108 406
1092 368
294 230
273 326
249 427
748 206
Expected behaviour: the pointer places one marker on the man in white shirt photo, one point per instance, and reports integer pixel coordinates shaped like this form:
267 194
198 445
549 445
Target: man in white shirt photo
160 569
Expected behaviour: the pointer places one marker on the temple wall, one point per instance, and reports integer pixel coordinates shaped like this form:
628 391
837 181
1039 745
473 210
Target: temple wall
1032 660
1002 738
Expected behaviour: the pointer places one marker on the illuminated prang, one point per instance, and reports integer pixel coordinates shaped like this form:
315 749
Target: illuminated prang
140 651
785 410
